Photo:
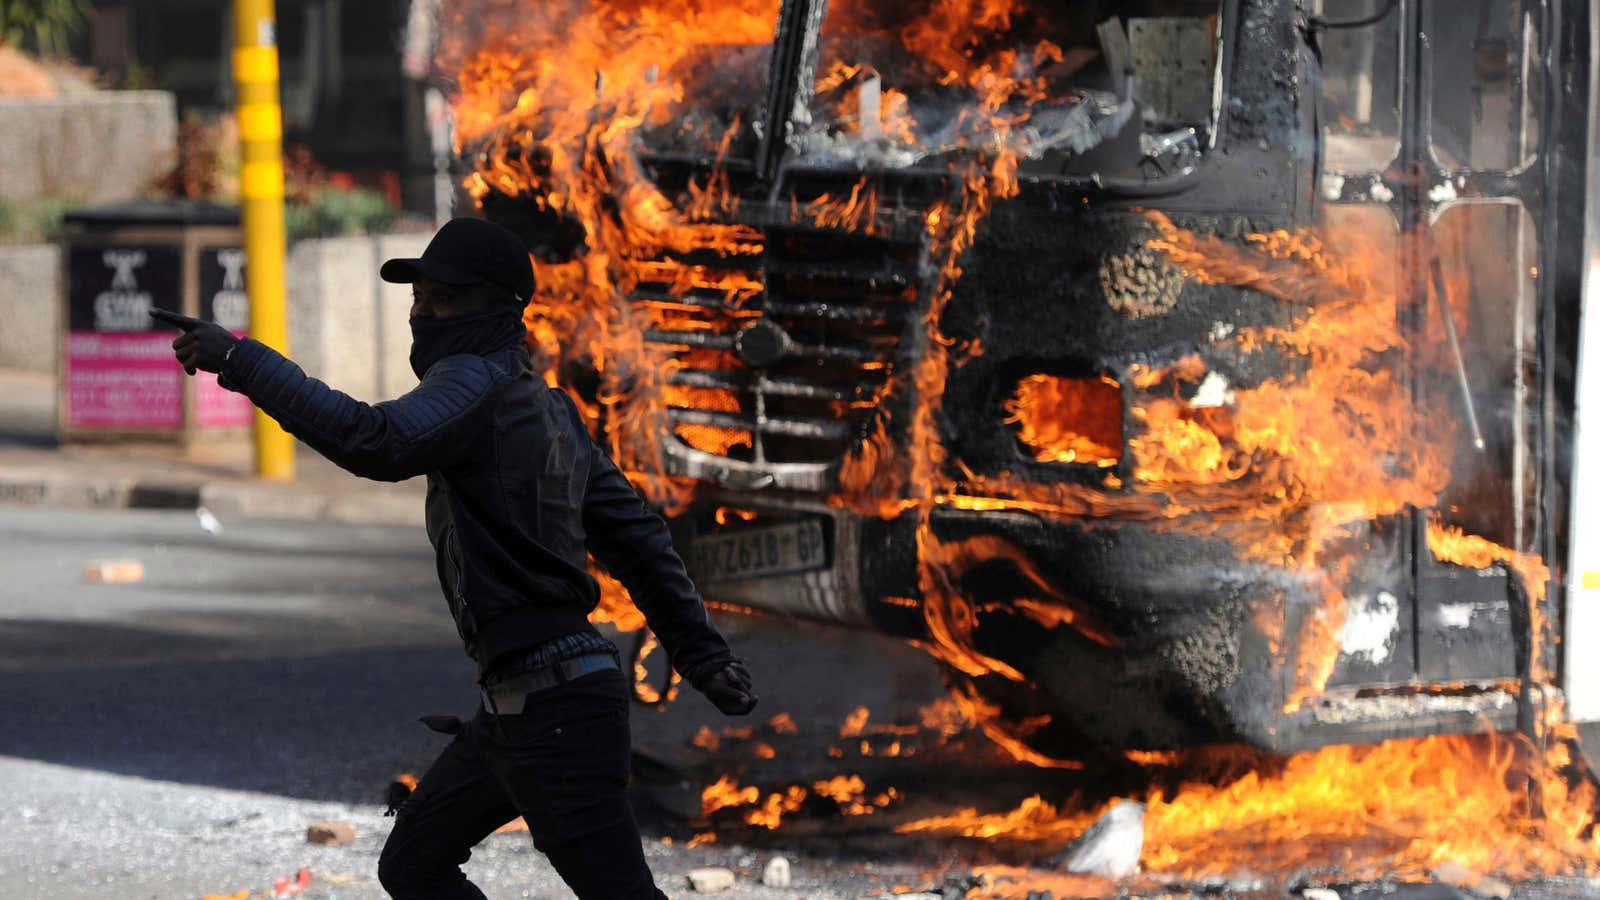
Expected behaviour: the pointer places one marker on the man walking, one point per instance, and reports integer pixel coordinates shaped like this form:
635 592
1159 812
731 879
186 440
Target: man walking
518 494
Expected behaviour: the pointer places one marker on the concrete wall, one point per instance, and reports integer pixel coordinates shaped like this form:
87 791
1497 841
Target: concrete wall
97 147
346 326
30 306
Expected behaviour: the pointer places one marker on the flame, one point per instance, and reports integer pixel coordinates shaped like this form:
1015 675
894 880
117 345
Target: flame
615 606
1398 809
1065 420
783 723
556 102
855 723
849 793
642 689
725 792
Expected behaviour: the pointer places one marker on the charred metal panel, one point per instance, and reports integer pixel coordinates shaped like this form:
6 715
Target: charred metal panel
1166 624
1465 625
1378 639
1038 295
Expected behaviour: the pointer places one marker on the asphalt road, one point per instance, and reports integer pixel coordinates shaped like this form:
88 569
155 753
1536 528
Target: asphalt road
173 737
289 659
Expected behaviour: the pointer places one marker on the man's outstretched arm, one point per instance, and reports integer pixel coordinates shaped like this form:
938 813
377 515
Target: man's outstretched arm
389 441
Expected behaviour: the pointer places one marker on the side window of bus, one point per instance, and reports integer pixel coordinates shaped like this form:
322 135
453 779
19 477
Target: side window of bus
1486 86
1360 102
1492 46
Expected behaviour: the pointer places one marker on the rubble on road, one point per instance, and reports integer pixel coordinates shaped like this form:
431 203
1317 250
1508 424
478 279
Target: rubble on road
776 874
334 834
710 880
116 571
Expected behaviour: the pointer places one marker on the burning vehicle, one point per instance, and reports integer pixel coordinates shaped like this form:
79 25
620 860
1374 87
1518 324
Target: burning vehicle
1175 372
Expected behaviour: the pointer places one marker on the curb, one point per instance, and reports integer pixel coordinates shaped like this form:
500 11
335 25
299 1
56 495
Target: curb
225 498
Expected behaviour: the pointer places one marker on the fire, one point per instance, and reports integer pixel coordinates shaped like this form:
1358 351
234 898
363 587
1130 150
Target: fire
725 793
1398 809
556 105
1069 420
848 793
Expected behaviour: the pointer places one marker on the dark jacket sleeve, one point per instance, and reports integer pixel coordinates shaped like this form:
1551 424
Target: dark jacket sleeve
427 429
633 544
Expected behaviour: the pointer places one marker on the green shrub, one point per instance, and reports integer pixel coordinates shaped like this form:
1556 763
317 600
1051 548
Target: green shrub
44 25
31 223
336 211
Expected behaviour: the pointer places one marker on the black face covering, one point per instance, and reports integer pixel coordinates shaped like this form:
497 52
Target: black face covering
434 338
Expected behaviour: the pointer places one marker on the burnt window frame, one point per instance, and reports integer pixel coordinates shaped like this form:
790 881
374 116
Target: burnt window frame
794 62
1417 189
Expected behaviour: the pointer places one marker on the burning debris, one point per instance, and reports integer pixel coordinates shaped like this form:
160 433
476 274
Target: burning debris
886 306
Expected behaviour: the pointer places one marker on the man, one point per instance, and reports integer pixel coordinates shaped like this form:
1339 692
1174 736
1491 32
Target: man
517 495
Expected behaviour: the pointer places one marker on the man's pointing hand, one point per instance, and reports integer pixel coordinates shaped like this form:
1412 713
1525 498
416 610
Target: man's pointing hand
203 345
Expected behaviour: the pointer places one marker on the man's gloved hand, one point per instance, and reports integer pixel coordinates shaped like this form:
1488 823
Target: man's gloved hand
202 346
729 688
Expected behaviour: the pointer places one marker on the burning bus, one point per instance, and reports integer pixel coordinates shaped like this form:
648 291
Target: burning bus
1173 371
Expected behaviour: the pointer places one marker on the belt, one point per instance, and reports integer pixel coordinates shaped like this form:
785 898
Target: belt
508 696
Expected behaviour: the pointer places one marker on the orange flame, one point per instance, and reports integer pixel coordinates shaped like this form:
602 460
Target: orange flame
1397 809
1067 420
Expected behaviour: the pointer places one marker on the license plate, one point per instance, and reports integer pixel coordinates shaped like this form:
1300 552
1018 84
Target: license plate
758 552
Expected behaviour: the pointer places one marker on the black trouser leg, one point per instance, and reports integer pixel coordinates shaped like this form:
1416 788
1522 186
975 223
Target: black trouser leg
606 863
564 761
563 765
457 803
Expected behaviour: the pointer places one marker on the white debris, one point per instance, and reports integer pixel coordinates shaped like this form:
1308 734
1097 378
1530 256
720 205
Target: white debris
1213 392
710 880
1319 894
1220 332
1455 615
208 522
1371 626
1332 186
1443 192
1111 846
776 874
1380 191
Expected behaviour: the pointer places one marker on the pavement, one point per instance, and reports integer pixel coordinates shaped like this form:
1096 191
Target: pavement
37 470
174 736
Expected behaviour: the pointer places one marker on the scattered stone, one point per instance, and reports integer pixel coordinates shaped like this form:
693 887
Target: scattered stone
114 571
710 880
333 834
1111 846
776 874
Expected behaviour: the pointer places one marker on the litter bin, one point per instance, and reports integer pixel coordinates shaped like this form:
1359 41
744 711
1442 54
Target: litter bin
118 377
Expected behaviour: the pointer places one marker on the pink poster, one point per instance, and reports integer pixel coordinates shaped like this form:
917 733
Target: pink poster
123 380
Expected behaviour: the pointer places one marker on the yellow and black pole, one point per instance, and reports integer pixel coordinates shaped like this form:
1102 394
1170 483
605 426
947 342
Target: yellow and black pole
255 79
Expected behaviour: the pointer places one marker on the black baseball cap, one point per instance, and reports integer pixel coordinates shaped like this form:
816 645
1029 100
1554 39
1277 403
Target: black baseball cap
469 252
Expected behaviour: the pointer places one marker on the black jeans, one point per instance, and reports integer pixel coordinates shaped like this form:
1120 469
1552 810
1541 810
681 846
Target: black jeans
562 765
